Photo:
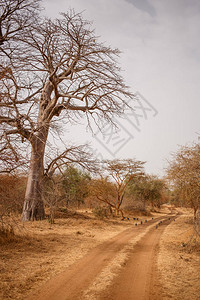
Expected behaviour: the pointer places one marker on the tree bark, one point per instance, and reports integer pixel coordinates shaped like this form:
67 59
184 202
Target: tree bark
33 205
195 213
118 209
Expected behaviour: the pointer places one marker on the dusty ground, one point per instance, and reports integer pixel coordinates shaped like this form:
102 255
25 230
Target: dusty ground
41 251
45 251
178 261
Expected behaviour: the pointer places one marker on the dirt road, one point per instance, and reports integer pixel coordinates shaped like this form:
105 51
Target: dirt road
134 280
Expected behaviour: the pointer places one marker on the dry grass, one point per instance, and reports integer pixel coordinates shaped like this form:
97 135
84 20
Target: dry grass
179 261
40 251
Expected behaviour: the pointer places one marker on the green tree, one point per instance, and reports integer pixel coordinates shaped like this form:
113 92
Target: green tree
75 185
148 189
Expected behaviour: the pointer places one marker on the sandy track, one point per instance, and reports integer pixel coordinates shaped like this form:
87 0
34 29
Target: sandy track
133 281
136 279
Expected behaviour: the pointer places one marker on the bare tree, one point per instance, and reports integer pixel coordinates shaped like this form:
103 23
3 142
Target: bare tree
60 72
184 174
15 16
122 172
78 155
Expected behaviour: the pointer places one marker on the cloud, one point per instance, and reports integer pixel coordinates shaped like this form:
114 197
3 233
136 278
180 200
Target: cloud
144 5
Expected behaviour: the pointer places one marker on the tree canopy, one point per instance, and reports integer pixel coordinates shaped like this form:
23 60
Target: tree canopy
122 171
148 189
53 72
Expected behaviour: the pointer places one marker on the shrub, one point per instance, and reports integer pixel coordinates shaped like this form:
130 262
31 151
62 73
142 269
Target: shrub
100 212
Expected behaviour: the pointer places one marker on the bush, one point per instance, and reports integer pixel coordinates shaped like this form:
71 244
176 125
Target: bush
100 212
12 192
137 210
6 233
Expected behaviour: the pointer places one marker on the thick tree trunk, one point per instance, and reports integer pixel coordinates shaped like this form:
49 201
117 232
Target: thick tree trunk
33 204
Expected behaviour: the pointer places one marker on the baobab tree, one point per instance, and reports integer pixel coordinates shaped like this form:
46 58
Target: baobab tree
59 72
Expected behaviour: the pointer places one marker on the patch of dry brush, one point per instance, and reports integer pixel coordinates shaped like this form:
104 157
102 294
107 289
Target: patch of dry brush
179 261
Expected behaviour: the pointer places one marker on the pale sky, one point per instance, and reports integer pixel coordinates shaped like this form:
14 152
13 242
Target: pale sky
160 59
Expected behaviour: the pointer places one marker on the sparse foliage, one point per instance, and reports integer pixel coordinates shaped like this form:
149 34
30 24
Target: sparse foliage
184 174
122 172
59 72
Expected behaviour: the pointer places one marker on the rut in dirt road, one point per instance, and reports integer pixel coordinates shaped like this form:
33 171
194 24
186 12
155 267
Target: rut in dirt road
72 283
